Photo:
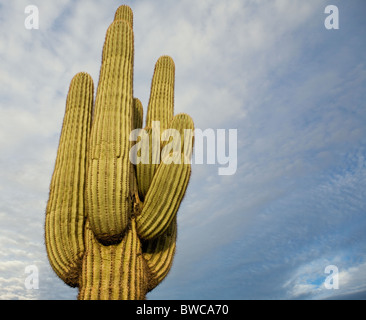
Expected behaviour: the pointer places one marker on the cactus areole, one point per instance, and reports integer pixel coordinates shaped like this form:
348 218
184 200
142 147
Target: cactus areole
111 225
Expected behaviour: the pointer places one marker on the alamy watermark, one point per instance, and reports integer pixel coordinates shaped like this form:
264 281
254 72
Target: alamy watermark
331 281
332 20
32 20
32 280
169 146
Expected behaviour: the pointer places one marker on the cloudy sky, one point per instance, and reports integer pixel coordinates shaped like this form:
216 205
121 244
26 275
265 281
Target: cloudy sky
295 92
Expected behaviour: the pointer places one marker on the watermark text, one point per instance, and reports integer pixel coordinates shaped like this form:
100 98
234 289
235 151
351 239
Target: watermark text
169 146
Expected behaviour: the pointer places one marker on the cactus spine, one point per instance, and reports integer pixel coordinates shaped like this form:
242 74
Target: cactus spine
110 225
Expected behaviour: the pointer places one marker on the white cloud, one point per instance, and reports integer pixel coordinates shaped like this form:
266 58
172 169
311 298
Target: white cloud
310 280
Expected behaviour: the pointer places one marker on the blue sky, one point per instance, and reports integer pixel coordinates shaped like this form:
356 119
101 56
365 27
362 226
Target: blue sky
294 91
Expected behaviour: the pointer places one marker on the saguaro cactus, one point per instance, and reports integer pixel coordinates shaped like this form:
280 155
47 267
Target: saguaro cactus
111 225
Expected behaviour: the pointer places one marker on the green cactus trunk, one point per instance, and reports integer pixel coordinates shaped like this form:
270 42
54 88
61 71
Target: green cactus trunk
113 272
111 226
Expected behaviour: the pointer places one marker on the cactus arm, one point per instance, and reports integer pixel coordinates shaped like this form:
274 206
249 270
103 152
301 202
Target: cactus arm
65 208
163 199
162 186
160 108
161 101
159 253
168 185
125 13
108 198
